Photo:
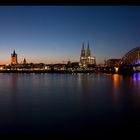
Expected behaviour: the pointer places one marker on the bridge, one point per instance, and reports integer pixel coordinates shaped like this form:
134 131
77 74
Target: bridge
131 60
129 63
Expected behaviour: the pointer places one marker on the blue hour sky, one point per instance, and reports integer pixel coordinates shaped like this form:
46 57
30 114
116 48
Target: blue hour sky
52 34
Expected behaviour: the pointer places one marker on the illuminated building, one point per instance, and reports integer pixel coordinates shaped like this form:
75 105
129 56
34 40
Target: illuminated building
14 58
112 62
86 58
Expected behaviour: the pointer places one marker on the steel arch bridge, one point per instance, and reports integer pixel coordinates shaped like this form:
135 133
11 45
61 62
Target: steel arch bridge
131 58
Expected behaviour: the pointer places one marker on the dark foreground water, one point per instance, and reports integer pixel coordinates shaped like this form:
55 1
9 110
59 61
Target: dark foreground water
84 104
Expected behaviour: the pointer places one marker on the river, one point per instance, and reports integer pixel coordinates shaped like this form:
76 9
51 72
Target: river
69 103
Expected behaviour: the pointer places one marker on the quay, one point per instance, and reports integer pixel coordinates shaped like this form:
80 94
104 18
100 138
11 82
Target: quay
112 70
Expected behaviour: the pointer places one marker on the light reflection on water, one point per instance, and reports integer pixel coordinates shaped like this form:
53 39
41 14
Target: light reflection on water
77 103
116 81
136 76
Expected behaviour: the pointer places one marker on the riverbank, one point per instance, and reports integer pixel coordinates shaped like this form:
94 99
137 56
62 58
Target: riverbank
109 71
47 71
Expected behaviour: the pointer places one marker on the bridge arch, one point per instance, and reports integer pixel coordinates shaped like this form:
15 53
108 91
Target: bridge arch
132 57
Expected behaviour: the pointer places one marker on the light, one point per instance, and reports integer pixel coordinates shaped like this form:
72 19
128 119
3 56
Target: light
46 68
136 76
116 69
138 62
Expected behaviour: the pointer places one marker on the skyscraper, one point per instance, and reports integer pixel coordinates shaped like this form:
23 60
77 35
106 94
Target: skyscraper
86 57
14 58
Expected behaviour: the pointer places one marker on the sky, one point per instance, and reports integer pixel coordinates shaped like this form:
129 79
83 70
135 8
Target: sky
54 34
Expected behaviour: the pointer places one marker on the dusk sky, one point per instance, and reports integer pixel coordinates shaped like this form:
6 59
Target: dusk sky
53 34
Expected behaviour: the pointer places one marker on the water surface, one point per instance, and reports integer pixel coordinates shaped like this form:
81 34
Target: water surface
69 104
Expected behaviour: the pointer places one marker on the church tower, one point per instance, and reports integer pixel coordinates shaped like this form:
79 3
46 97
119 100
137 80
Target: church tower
24 61
88 53
83 51
14 58
83 54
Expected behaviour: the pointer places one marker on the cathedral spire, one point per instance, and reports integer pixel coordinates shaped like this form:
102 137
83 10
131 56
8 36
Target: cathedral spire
83 51
88 51
83 46
88 46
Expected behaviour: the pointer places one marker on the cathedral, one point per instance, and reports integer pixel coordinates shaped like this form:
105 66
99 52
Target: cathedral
86 58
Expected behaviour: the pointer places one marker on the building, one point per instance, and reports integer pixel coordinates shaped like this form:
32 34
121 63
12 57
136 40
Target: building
86 58
24 61
112 62
14 58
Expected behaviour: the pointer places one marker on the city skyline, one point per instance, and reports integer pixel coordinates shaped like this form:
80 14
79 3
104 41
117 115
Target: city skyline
52 34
